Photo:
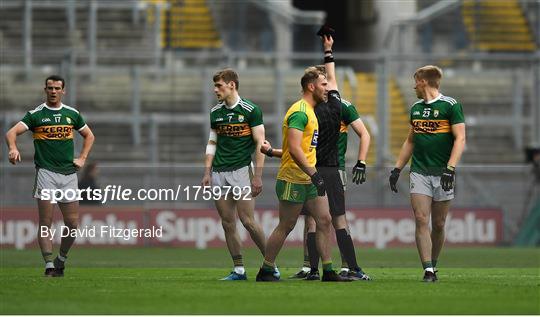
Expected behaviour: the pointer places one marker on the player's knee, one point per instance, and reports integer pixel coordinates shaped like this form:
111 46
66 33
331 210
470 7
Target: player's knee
287 226
248 223
310 224
228 225
45 221
421 220
339 222
438 225
324 221
71 223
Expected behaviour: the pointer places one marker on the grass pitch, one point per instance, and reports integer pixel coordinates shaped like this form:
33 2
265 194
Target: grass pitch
185 281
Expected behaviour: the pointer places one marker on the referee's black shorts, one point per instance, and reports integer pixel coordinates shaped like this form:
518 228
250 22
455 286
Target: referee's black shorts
334 191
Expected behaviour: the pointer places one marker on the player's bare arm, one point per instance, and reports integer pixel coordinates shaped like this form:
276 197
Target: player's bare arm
329 64
11 140
294 137
365 138
257 133
88 137
406 151
359 169
209 158
458 130
266 148
404 155
448 176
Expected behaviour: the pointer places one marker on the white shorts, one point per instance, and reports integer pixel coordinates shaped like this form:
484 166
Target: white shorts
240 178
430 186
49 180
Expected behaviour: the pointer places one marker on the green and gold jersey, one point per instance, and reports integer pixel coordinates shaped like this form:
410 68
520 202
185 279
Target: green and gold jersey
432 133
300 116
235 144
53 136
348 115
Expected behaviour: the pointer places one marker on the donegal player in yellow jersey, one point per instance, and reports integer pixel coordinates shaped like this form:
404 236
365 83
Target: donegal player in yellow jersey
436 141
53 125
333 116
298 182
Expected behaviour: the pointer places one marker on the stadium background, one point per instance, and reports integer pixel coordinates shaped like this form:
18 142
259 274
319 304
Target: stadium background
140 72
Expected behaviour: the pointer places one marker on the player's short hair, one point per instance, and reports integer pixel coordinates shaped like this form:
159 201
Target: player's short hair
55 78
227 75
311 74
432 74
319 68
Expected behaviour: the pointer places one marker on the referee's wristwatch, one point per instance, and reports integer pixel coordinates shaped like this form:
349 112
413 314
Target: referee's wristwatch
269 152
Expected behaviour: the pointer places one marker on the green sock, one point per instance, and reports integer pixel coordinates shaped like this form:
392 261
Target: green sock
306 261
427 264
268 267
327 266
47 256
63 254
434 263
238 260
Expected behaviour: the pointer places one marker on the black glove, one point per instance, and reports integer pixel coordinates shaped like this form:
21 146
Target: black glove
359 173
394 176
326 30
447 178
317 180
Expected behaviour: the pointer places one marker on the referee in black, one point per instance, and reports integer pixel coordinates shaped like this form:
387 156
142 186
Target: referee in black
329 117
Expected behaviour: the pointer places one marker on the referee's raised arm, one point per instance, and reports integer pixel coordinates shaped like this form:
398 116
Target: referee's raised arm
329 65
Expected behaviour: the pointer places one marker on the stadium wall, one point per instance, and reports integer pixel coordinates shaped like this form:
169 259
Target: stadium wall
201 228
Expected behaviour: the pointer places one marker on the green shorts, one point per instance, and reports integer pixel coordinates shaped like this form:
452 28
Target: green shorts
295 193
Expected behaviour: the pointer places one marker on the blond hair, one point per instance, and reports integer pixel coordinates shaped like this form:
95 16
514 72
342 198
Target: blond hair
311 74
432 74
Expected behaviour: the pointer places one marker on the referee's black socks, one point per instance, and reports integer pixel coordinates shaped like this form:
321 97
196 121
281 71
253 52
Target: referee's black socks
312 251
346 247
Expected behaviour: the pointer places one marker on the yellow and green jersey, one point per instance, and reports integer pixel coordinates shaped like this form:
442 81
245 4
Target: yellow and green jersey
432 133
300 116
53 136
235 143
348 115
